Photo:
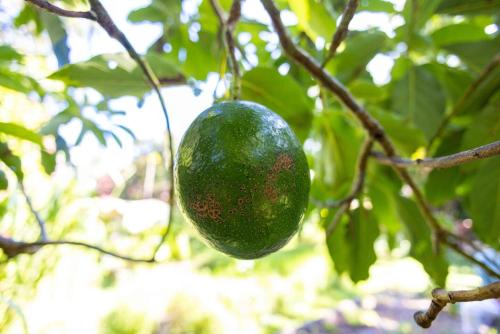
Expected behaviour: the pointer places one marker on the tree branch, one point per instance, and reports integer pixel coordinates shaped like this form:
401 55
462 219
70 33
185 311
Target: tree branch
13 248
488 70
342 29
227 28
62 12
446 161
99 14
357 185
441 297
178 79
371 125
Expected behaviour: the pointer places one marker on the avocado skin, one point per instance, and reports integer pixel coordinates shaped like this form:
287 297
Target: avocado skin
242 179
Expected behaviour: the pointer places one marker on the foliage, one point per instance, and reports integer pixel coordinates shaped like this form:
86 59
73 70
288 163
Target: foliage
437 51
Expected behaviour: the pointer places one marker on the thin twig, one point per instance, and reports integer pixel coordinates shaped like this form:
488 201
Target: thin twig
219 12
227 29
357 185
13 248
166 232
39 220
446 161
342 29
488 70
99 14
477 246
234 16
63 12
178 79
454 242
162 240
441 297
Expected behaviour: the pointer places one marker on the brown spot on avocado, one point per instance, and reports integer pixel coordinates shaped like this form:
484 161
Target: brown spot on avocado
283 163
210 207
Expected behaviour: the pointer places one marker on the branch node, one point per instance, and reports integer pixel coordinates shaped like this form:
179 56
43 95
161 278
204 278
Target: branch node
447 161
441 297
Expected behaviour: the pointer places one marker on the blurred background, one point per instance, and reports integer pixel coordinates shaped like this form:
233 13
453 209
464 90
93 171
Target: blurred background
95 167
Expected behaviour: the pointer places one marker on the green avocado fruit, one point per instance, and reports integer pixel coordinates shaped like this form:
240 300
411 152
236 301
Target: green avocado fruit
242 179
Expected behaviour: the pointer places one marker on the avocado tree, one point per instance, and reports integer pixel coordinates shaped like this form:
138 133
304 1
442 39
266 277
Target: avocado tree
399 118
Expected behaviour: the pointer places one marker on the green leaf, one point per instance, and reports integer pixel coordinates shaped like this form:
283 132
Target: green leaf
127 130
21 132
401 66
484 202
8 53
382 191
58 36
115 138
48 162
76 4
467 7
367 90
61 145
113 75
203 56
18 82
420 97
207 18
338 246
420 237
376 6
340 143
166 11
360 48
458 33
418 12
485 126
314 18
453 80
10 160
475 54
4 183
282 95
56 121
441 184
98 133
82 134
485 92
29 15
100 73
351 244
362 233
408 140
